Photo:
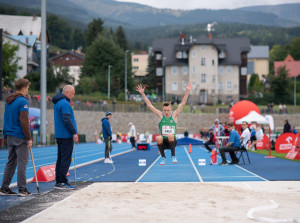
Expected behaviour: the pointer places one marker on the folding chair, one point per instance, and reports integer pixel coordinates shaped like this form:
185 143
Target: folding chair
243 150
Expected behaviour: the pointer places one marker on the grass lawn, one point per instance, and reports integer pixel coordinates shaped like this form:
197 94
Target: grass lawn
273 153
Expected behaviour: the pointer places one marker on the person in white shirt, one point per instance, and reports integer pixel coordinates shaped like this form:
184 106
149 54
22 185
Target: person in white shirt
132 134
245 137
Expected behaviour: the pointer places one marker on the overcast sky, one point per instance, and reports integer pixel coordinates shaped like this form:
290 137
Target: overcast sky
207 4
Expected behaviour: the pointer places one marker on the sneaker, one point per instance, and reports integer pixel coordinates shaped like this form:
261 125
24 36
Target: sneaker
174 160
107 160
163 161
133 148
234 162
223 164
24 193
64 186
7 192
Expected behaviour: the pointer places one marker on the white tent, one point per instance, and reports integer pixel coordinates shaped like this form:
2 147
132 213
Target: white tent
253 116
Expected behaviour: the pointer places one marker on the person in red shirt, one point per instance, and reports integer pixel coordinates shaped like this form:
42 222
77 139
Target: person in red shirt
211 140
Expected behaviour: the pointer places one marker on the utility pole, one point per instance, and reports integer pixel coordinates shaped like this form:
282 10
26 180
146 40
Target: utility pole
108 82
0 64
126 51
43 86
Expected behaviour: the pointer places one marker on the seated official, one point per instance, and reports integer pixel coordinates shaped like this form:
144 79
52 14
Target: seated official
233 145
211 140
245 137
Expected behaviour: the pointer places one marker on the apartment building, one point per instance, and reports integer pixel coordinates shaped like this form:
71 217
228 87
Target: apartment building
216 67
139 63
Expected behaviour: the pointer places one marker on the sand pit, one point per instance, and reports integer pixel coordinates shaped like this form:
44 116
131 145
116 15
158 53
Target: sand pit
175 202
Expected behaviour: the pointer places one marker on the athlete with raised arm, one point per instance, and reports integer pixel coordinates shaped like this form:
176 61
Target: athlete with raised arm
168 121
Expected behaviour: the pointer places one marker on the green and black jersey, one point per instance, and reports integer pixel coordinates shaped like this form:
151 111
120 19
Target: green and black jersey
167 125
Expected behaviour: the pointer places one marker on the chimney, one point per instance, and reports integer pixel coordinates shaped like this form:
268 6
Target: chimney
30 33
191 39
27 40
182 38
34 17
210 36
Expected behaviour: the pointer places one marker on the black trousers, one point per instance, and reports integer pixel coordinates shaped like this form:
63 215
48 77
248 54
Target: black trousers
231 150
108 147
207 145
64 158
132 141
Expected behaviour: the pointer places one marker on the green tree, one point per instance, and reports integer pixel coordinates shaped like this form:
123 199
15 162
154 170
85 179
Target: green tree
99 56
60 32
255 84
94 30
78 38
280 86
294 48
121 38
151 79
9 64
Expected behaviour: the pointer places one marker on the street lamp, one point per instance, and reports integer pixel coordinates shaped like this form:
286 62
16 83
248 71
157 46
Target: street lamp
126 51
108 87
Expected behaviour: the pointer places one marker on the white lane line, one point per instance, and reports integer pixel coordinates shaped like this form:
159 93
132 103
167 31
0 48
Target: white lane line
146 170
200 178
247 185
251 173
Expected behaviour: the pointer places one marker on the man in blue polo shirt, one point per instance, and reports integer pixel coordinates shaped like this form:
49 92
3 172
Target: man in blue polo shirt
65 134
16 130
233 145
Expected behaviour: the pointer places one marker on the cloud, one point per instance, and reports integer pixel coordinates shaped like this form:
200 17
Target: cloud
211 4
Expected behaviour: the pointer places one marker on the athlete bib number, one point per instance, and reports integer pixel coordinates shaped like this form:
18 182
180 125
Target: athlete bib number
168 130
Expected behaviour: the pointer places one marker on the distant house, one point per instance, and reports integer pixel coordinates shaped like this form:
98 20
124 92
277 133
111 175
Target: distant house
26 30
26 52
70 60
139 64
291 65
216 67
258 61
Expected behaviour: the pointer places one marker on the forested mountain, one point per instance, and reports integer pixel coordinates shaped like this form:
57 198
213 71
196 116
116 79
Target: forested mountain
136 15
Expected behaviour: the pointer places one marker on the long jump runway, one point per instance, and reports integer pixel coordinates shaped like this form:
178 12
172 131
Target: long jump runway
127 168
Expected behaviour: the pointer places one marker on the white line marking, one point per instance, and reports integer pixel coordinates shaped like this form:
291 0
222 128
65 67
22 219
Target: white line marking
200 178
251 173
247 185
146 170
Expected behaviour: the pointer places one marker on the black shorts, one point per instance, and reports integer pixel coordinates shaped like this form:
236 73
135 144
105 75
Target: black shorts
253 138
166 144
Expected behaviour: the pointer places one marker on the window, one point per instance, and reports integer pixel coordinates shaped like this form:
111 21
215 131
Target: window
202 61
203 47
213 78
193 53
220 85
174 86
203 78
136 60
185 70
228 69
158 56
159 71
229 85
213 62
73 58
185 55
67 58
179 55
221 69
194 70
183 85
174 70
135 68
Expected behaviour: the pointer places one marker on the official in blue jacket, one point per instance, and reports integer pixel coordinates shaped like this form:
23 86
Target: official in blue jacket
65 133
233 145
16 130
107 134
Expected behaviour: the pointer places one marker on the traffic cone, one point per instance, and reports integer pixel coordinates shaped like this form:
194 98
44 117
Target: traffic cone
190 148
213 158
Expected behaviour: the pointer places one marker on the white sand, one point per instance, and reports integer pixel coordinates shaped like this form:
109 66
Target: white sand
175 202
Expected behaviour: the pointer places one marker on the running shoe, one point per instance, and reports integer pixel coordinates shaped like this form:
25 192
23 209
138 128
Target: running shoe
7 192
223 164
107 160
64 186
24 193
163 161
174 160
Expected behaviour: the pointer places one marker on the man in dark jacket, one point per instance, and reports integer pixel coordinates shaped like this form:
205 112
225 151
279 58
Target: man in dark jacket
65 133
287 126
211 140
107 134
16 130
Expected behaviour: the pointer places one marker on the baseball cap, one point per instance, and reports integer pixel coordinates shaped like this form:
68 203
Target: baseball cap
108 113
130 123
